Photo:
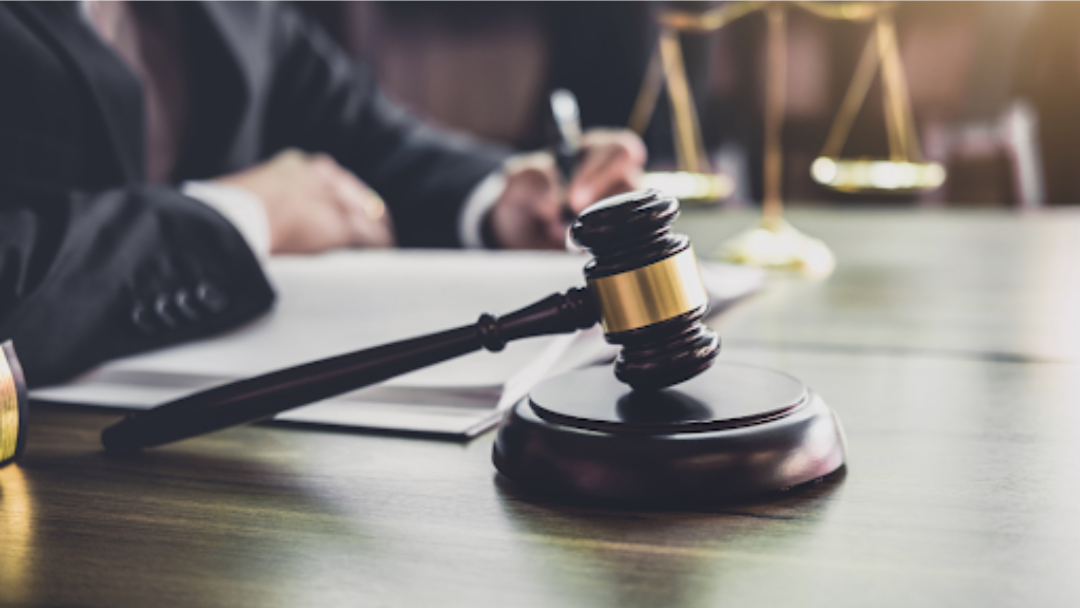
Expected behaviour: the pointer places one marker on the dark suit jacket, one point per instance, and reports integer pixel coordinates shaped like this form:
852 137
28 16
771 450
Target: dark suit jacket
94 263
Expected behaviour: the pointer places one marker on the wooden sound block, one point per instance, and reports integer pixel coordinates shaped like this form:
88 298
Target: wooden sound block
733 431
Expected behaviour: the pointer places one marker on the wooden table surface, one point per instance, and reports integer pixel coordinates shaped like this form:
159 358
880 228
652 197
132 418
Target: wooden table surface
948 342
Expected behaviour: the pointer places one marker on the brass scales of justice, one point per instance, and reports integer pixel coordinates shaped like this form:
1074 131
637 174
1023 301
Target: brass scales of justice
774 243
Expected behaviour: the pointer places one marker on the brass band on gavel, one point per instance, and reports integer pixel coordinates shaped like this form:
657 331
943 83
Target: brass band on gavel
650 294
13 406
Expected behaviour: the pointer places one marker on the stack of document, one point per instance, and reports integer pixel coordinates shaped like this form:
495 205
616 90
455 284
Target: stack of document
346 301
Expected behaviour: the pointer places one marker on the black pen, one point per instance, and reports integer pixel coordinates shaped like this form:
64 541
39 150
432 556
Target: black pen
567 117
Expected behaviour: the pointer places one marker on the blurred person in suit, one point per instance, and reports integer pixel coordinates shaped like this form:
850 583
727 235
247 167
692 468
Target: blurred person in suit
153 155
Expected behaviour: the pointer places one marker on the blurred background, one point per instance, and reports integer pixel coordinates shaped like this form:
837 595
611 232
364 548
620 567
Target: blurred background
991 84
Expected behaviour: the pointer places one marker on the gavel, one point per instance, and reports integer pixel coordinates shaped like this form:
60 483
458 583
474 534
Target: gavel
642 285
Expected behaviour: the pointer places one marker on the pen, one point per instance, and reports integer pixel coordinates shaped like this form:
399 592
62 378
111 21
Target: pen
567 117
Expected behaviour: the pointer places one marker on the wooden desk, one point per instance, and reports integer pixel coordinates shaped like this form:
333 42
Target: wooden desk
947 342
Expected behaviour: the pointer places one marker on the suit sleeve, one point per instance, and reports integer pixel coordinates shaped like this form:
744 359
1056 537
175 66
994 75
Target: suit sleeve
87 277
322 100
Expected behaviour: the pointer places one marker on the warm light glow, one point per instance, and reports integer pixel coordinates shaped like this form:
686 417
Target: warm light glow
16 533
684 185
869 175
780 246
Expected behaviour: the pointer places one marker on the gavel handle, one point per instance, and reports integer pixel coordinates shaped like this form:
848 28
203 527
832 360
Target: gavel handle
263 396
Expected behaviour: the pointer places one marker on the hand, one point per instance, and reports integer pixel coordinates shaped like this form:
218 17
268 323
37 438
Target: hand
528 214
315 205
612 163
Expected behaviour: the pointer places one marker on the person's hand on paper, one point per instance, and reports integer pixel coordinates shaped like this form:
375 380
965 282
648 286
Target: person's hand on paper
529 213
314 205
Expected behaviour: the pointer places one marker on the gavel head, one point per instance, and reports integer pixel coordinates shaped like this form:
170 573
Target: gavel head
647 287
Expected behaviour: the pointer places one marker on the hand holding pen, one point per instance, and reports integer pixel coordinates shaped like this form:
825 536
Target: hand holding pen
595 165
546 190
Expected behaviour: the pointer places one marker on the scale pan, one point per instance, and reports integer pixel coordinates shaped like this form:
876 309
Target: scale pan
877 175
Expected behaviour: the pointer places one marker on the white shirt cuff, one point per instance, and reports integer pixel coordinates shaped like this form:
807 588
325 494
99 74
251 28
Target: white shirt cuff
243 209
480 200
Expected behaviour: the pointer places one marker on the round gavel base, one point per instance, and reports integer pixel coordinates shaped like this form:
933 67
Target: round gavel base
733 431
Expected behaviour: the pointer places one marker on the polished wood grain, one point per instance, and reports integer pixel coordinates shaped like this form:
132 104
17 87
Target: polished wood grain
951 361
986 283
